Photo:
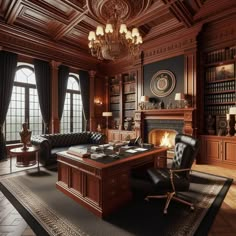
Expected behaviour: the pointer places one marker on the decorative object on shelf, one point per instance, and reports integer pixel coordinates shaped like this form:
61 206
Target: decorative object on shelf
225 72
162 83
221 125
25 135
170 104
179 97
107 114
99 128
161 105
143 102
114 40
230 125
210 121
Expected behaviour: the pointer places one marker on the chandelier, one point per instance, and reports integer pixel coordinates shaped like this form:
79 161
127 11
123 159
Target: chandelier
114 40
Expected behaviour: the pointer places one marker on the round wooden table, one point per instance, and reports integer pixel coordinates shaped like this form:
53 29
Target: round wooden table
25 158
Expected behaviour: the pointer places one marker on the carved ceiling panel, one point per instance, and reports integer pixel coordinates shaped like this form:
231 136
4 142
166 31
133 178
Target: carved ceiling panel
126 9
69 21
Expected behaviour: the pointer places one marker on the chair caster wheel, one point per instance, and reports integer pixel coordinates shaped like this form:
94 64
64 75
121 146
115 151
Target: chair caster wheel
192 208
146 199
165 212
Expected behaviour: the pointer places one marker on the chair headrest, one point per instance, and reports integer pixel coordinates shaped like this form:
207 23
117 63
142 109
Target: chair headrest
187 140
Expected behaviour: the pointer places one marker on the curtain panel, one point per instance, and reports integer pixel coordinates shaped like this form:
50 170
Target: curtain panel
85 94
43 83
63 74
8 64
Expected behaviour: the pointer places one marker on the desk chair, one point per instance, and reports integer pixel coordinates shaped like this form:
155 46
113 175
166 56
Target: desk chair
175 179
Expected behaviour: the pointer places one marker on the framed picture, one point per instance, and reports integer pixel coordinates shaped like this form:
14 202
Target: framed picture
162 83
221 125
225 72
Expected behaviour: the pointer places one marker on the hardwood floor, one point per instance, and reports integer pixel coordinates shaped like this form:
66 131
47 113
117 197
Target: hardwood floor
11 223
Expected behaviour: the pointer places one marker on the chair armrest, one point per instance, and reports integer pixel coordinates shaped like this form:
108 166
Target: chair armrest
179 170
44 147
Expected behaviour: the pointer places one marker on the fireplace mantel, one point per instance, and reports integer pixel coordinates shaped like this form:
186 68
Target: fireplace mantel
184 114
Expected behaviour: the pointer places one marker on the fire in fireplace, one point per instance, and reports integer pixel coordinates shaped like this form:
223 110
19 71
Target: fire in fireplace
159 137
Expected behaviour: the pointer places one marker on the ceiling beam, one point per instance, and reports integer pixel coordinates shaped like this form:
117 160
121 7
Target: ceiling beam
13 11
75 21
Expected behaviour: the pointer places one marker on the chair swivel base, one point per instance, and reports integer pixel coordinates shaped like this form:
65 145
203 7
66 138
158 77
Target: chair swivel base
170 196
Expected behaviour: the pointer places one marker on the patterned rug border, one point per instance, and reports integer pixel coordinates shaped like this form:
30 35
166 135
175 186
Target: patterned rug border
56 225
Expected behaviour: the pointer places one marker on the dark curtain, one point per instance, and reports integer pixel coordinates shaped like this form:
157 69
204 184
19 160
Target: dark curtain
8 63
63 74
85 93
43 82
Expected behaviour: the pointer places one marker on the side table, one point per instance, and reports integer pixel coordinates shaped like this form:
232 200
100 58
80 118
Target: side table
24 157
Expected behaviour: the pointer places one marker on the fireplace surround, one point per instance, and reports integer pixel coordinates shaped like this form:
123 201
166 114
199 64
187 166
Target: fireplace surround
151 124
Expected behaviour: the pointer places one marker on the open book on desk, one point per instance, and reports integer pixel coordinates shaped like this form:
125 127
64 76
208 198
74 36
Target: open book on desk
80 152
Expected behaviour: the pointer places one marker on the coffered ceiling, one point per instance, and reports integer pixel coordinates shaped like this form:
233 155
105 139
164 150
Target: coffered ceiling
68 22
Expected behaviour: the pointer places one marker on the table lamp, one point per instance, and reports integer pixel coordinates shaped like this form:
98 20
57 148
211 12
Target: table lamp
179 97
107 114
144 100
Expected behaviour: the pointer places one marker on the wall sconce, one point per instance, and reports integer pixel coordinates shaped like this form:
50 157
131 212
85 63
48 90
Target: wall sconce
98 101
179 97
143 102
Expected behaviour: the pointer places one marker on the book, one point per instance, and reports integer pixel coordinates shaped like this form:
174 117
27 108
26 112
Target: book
80 152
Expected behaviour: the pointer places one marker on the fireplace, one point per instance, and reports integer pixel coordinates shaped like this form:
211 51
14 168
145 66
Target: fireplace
153 125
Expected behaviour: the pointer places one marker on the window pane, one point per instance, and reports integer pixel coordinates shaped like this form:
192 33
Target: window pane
72 114
19 105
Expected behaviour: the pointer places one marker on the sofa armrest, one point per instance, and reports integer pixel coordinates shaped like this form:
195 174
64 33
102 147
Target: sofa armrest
44 148
97 138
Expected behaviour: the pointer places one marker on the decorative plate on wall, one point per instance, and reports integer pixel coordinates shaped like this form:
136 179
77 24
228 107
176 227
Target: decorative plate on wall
162 83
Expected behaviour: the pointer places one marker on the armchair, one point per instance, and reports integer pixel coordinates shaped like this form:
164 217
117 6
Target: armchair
175 179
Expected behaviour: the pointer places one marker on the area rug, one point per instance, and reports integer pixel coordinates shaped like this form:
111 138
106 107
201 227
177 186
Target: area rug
50 212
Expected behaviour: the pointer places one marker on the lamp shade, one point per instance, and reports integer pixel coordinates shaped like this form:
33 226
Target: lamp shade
232 110
107 113
144 99
179 96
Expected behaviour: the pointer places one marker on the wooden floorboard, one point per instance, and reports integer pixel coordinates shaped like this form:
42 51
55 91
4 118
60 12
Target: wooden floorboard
12 224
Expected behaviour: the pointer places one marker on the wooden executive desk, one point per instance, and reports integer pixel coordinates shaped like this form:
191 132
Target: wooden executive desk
101 188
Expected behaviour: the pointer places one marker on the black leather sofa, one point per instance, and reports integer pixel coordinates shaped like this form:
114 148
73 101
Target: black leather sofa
50 144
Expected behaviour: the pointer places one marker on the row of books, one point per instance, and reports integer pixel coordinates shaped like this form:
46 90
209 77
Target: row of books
220 98
217 110
221 55
220 87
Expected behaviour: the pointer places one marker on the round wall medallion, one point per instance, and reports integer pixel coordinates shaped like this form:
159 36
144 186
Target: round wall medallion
162 83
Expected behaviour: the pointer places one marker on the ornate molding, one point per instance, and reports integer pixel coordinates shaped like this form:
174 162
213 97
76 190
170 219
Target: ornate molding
172 45
126 9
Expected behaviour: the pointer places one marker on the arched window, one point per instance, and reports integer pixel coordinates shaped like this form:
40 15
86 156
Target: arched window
24 105
72 116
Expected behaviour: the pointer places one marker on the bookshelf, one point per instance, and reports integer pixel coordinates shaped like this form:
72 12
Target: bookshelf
122 103
219 87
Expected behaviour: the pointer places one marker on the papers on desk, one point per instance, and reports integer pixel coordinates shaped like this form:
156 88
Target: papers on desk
136 150
131 151
104 145
140 149
95 156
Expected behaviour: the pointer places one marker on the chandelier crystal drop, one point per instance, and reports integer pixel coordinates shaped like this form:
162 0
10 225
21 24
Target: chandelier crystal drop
114 41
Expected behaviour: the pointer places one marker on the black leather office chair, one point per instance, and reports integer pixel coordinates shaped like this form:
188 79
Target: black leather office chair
175 179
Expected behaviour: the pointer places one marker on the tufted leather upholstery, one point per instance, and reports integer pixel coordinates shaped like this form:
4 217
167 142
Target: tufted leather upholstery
50 144
175 179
